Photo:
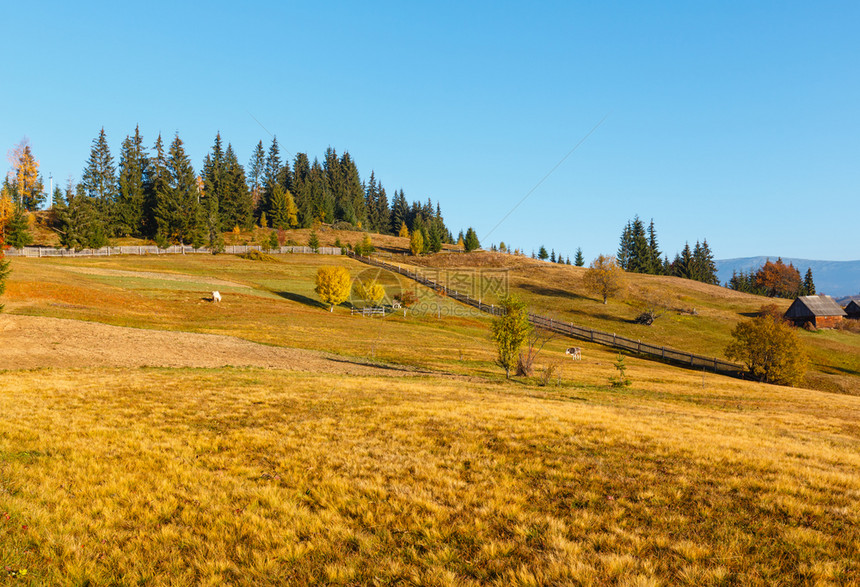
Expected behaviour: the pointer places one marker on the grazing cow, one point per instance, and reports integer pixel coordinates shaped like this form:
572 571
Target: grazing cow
575 353
216 296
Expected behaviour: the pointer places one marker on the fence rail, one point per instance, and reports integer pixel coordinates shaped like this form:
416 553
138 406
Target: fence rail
152 250
571 330
377 311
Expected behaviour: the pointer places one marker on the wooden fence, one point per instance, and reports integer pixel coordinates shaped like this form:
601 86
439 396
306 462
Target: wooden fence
378 311
571 330
152 250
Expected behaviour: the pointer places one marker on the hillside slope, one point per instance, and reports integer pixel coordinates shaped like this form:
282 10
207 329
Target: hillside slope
696 317
439 473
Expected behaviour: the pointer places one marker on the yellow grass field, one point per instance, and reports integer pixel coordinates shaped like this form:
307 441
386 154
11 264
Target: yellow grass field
266 441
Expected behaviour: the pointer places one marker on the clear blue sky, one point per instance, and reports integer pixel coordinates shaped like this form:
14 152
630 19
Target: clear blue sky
738 122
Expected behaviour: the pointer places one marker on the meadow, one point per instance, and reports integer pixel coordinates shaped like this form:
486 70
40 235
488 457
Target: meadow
428 468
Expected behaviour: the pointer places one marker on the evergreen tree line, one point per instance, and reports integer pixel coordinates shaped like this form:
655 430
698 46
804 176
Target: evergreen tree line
773 279
159 195
543 255
639 252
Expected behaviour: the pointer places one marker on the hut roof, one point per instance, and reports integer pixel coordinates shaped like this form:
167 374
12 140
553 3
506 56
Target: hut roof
814 306
853 307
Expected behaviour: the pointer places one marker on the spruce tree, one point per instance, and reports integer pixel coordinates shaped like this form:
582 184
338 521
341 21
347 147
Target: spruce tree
579 259
271 174
552 256
99 181
682 266
383 212
283 213
158 189
434 237
78 221
371 193
808 284
237 207
355 209
542 254
322 204
625 247
256 171
18 228
655 266
214 192
131 186
471 242
639 258
301 189
178 211
399 210
707 267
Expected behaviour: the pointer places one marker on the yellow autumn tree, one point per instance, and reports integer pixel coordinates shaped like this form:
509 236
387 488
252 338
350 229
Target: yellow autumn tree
416 243
333 285
404 232
604 277
25 181
371 292
7 209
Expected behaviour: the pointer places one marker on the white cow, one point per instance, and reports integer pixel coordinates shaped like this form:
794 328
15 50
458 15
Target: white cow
216 296
575 353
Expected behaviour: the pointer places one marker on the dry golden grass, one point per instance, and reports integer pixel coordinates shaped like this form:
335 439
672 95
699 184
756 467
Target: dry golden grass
253 477
557 291
248 476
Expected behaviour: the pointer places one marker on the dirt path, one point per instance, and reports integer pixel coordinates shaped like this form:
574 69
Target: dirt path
29 342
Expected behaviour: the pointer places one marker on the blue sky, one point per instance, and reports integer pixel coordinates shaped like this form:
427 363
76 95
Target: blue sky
736 122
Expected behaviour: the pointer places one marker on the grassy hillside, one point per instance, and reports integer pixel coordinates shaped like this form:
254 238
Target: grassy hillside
251 477
697 317
439 473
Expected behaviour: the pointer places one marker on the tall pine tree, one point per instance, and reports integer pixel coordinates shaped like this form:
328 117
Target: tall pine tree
214 192
178 209
131 186
256 171
655 265
99 181
237 207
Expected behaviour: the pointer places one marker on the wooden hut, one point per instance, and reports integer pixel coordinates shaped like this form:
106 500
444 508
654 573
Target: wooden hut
853 309
822 311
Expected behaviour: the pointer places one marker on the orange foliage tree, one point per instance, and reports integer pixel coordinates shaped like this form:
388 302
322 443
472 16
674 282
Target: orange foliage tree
778 279
604 277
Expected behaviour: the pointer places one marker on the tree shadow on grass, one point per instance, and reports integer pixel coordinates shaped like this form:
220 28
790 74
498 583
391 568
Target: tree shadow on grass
833 370
294 297
543 290
611 318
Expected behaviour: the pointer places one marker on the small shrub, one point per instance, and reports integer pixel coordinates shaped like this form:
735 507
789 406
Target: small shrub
849 326
647 317
256 256
547 375
406 298
343 225
622 380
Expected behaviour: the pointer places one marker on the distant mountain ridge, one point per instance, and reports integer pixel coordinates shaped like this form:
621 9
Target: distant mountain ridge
834 278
